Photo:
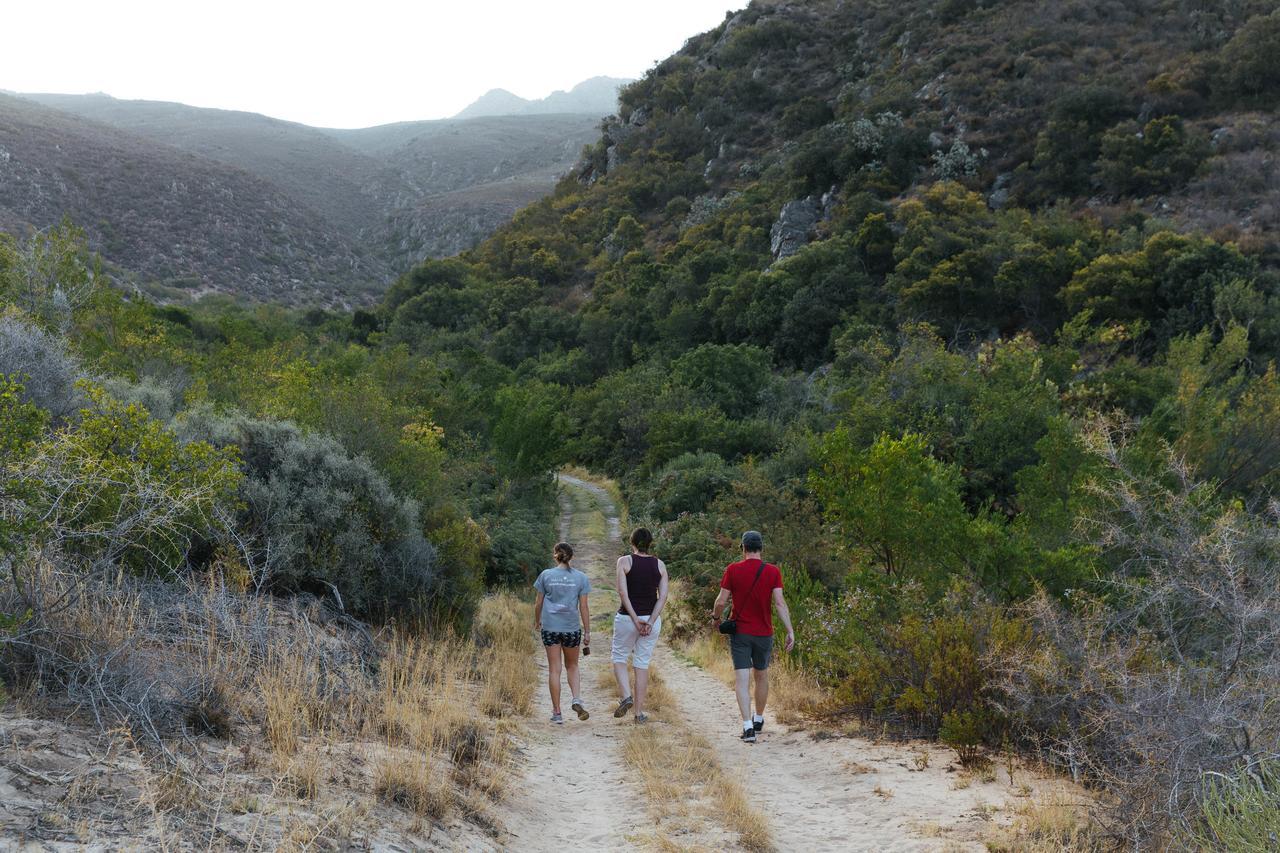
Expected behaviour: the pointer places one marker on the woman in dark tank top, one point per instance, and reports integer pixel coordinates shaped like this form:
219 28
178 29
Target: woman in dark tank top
643 580
642 590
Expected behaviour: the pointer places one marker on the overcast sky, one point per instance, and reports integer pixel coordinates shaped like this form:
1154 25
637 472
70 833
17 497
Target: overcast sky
338 64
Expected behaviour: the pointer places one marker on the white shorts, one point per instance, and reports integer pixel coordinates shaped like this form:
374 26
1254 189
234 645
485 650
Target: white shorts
627 641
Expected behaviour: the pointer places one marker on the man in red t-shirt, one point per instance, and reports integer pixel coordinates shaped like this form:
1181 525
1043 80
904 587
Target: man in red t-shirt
754 585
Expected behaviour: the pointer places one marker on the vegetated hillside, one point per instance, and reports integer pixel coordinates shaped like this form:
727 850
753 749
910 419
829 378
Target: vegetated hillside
188 221
598 96
468 177
346 187
373 197
973 308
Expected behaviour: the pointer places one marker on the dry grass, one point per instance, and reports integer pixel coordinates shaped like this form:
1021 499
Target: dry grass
685 785
416 783
794 695
224 711
1055 824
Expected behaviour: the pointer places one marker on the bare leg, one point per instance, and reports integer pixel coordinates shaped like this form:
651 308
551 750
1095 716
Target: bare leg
642 687
571 671
624 683
742 686
554 658
762 690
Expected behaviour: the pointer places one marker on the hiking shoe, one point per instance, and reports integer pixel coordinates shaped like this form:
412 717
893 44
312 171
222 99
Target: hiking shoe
557 719
758 725
581 711
749 735
623 707
642 717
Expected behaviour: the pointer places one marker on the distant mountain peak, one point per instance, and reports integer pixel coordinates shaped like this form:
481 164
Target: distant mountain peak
596 96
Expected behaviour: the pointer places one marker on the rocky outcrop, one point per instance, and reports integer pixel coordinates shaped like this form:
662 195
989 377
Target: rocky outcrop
796 222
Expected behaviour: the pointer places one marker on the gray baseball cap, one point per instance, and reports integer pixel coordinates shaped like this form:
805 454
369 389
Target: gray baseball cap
752 540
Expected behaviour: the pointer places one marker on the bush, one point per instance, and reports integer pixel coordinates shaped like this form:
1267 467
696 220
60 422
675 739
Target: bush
729 376
1158 157
895 658
1251 62
687 483
313 518
48 372
118 489
898 508
1171 673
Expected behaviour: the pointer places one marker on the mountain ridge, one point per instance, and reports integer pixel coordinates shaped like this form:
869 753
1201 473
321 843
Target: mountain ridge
596 95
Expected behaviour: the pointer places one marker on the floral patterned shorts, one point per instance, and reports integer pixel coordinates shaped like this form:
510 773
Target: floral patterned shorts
568 639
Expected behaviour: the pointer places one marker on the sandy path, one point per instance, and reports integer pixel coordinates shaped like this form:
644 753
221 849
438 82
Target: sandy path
840 793
843 793
576 793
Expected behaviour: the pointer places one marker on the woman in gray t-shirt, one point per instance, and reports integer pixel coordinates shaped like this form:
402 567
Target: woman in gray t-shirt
561 614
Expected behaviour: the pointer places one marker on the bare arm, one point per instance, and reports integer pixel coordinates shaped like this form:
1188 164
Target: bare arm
537 612
622 590
585 612
785 615
662 592
717 609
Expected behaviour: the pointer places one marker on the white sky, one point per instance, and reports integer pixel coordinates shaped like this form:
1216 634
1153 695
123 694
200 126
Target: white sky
338 64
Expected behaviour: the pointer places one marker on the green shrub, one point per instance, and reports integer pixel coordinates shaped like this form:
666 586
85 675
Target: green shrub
313 518
898 508
688 483
118 490
896 658
728 376
1158 157
1251 61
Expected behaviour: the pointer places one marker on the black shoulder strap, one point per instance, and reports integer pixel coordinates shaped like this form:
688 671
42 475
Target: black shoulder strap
759 572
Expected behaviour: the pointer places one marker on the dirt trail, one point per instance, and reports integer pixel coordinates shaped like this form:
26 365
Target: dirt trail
576 787
839 793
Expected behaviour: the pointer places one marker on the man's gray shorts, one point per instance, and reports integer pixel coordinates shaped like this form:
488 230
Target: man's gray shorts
750 652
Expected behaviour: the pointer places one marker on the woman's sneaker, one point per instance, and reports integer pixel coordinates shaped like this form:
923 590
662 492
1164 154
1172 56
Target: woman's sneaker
749 735
581 711
623 707
642 718
758 725
557 719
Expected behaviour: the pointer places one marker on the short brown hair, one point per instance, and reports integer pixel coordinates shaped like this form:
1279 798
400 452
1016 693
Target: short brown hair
642 539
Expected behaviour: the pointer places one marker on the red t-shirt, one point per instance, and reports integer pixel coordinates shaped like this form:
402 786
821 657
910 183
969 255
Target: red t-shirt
752 605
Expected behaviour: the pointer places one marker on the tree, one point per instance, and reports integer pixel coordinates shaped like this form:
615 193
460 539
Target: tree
530 428
1250 61
894 504
730 376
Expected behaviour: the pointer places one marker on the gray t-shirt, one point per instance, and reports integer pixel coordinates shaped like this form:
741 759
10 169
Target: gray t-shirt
560 588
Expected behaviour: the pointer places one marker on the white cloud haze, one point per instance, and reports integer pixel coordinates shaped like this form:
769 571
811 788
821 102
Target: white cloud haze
338 64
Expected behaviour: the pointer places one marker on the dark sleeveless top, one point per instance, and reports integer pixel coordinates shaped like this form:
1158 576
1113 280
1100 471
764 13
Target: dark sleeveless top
642 585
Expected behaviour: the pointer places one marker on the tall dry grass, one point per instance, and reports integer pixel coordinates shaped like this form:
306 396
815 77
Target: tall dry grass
233 702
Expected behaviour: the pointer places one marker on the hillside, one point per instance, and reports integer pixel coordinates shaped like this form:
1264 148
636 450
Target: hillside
187 221
347 188
363 203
